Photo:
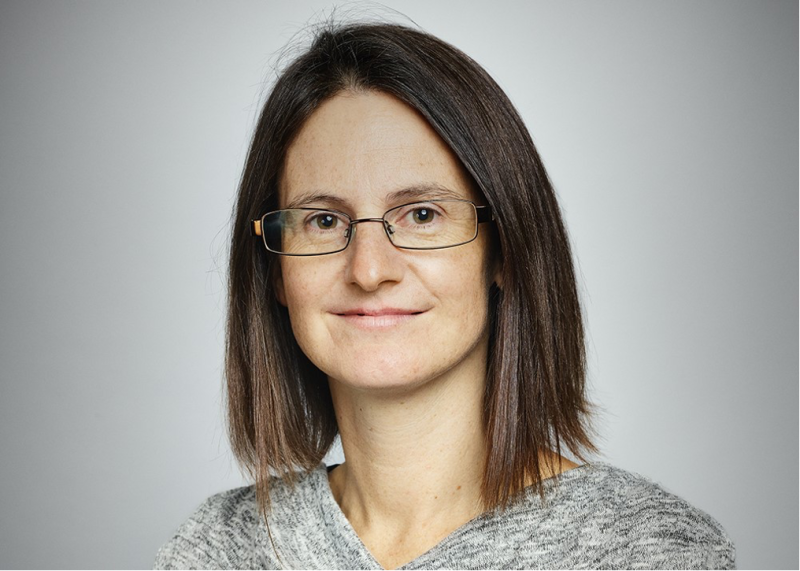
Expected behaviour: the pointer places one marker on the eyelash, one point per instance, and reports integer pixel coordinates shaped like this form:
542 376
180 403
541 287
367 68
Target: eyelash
313 217
422 206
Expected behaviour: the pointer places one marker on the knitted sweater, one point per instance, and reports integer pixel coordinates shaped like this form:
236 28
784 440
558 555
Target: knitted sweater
594 516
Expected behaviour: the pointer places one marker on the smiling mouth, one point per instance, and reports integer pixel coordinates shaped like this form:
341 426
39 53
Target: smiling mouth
380 314
384 319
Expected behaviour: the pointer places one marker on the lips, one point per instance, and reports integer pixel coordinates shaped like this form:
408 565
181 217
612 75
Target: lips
378 312
377 318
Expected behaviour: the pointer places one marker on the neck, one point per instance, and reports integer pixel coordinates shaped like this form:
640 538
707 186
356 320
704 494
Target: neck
414 460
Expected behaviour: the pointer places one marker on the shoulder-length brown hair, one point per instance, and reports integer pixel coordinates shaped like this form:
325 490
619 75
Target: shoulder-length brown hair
280 411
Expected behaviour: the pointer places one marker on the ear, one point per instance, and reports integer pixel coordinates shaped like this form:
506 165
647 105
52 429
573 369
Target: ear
497 275
276 278
496 272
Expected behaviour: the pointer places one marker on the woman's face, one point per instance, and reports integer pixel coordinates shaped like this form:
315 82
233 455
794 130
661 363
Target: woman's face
425 312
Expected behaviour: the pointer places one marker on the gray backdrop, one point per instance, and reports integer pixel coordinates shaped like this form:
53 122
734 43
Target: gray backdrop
669 130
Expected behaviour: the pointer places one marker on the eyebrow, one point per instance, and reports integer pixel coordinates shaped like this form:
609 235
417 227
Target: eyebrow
423 191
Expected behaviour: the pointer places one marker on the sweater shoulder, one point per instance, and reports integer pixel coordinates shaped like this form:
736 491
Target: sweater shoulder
223 531
215 536
644 525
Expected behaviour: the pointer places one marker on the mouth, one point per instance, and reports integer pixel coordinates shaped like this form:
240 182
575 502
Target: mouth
379 312
378 318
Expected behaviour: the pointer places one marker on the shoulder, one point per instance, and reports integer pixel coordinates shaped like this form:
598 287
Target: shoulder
214 536
222 531
640 524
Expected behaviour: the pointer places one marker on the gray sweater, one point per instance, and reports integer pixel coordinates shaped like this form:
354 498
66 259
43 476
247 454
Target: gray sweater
595 516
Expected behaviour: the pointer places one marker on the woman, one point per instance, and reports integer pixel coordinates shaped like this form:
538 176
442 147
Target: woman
400 276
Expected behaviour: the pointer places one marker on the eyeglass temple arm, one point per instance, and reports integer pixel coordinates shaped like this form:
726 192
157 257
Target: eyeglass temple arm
255 227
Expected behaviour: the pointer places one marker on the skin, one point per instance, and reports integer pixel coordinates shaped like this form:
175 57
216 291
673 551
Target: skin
407 390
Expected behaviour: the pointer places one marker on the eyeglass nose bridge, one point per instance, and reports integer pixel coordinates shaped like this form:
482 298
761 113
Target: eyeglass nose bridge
386 226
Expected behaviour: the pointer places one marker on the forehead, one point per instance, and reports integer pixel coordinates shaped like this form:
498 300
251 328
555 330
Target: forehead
366 148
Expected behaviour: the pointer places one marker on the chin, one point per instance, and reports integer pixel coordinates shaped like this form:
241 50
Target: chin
390 373
392 366
388 386
374 377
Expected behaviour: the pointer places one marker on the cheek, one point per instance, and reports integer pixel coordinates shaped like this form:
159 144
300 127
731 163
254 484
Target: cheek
302 279
461 285
305 288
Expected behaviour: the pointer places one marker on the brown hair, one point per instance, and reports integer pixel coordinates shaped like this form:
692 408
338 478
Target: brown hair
280 411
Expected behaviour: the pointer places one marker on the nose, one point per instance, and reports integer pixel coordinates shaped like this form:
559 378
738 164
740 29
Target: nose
373 259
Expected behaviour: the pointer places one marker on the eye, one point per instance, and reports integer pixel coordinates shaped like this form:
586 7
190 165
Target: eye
325 221
423 215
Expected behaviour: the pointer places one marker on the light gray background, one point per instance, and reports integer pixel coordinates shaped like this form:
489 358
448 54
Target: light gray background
668 128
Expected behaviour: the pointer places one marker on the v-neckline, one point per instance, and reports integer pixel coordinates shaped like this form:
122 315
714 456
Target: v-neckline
350 535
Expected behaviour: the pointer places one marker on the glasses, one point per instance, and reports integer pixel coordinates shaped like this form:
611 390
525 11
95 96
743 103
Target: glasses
429 225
